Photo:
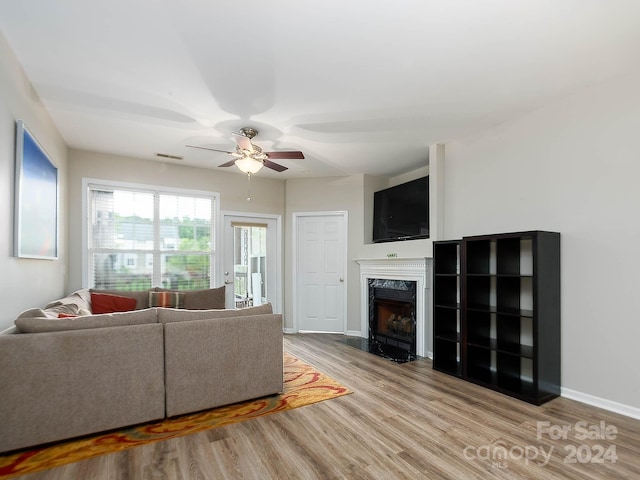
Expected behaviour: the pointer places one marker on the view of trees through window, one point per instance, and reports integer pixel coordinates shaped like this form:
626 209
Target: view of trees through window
143 239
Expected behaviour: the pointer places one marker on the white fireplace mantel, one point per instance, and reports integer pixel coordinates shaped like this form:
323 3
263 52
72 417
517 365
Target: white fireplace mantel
410 269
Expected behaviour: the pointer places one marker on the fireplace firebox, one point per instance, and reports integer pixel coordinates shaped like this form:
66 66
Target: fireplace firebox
392 318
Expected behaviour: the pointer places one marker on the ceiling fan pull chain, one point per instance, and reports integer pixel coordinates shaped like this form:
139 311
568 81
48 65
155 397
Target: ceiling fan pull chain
248 187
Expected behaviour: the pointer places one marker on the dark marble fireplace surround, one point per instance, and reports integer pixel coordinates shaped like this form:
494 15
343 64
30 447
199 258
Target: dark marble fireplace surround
395 280
392 319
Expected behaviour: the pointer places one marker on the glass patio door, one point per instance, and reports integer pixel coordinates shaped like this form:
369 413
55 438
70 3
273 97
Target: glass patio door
250 261
249 264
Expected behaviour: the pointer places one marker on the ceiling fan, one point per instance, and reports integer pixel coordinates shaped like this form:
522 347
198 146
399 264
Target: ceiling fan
250 158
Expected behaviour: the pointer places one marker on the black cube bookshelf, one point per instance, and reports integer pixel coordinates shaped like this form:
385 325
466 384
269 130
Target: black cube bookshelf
506 312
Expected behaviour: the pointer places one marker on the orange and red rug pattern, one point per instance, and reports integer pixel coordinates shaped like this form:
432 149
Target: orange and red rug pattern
303 385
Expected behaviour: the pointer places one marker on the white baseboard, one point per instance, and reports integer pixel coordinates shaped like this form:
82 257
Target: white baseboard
288 331
610 405
353 333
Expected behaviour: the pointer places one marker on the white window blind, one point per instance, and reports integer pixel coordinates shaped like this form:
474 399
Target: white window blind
139 239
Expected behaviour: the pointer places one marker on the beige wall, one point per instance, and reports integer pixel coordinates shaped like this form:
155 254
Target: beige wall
26 282
353 194
325 195
571 167
267 195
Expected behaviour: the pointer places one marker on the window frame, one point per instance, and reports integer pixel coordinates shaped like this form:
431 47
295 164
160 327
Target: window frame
215 255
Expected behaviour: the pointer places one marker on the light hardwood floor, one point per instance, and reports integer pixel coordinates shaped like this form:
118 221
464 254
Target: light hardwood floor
402 421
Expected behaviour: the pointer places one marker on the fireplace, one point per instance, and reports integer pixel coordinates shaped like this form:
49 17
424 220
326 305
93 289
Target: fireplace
394 306
392 315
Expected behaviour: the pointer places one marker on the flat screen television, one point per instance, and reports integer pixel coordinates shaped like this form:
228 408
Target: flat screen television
402 212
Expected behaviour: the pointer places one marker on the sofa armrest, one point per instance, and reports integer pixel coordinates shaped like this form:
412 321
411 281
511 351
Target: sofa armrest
64 384
221 361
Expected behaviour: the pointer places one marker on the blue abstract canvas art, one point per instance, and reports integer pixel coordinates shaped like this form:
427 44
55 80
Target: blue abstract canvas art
36 199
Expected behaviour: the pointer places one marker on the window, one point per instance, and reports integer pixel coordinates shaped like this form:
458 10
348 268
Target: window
138 238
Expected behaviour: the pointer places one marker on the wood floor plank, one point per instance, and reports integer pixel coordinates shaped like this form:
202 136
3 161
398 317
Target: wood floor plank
401 421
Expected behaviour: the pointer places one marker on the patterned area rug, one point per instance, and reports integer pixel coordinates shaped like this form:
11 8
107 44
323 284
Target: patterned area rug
303 385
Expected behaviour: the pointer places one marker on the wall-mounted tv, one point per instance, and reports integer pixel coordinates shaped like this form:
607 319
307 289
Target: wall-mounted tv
402 212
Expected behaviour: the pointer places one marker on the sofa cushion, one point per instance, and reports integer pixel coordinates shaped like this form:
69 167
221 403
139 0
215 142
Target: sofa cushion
213 363
61 385
141 296
107 303
9 330
170 315
33 324
166 299
210 298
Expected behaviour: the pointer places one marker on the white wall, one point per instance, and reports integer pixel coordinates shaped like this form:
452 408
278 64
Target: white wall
267 195
572 167
26 282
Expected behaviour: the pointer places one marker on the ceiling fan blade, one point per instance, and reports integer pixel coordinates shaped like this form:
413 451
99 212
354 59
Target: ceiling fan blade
208 148
286 155
274 166
228 164
243 142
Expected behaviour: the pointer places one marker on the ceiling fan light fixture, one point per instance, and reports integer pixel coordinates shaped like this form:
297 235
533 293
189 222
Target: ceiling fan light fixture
248 165
250 158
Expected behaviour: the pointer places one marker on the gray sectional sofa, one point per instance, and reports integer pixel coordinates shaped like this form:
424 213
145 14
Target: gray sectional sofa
67 377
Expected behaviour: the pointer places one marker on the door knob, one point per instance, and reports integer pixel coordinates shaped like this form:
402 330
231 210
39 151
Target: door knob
341 279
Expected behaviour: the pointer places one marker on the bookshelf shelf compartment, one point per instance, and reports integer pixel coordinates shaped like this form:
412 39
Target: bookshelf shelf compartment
447 319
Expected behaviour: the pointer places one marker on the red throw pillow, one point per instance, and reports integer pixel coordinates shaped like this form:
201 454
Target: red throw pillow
66 315
105 303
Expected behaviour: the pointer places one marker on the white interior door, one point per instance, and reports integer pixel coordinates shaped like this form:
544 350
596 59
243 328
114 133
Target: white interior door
320 272
251 260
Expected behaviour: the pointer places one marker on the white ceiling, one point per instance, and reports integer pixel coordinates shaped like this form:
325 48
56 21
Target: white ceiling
359 86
